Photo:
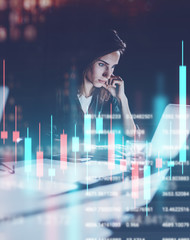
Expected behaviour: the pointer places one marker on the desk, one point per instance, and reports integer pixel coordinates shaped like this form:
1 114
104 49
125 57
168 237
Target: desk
63 208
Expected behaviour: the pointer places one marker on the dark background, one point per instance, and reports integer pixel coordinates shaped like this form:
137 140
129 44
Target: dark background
37 66
41 60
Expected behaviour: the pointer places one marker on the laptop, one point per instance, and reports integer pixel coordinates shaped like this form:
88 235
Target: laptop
167 140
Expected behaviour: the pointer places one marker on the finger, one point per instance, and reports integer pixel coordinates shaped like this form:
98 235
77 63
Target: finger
105 85
109 83
114 82
115 77
110 87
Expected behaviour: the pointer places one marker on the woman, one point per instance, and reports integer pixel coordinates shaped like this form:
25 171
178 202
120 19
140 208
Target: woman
100 92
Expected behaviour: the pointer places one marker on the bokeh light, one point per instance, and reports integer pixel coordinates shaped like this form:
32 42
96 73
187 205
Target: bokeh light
3 5
30 33
45 3
3 34
29 4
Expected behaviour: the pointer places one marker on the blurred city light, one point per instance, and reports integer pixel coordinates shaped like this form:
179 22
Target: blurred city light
3 34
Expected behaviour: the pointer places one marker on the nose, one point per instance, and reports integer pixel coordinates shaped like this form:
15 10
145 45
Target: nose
107 73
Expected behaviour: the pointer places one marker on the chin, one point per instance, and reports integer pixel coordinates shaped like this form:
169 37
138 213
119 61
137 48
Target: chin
98 85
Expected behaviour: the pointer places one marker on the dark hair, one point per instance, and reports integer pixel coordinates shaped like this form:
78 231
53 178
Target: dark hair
95 45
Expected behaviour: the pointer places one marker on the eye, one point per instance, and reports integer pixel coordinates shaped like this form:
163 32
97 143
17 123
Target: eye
101 64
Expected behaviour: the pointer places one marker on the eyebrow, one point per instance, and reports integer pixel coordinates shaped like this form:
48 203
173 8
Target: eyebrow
106 62
103 61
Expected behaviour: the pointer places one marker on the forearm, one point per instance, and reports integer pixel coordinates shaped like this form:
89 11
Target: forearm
128 123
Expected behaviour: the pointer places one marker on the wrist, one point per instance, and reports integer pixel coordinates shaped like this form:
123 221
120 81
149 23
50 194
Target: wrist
123 98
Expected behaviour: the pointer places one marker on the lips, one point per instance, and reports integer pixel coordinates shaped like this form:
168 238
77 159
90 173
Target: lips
101 81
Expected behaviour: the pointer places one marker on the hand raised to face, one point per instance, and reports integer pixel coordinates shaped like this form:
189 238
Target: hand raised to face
115 85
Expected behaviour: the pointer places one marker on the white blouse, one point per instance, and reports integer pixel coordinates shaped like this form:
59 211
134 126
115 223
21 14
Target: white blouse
84 102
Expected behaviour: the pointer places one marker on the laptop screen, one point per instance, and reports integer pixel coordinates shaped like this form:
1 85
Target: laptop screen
169 136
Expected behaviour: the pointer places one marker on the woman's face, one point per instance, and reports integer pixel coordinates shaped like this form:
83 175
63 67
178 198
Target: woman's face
102 69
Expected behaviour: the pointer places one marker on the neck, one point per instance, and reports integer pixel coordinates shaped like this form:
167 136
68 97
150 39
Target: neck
87 88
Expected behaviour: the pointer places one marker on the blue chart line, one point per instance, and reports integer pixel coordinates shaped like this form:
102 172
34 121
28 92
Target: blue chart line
147 172
75 146
51 170
170 163
182 111
27 153
147 186
146 149
87 140
99 126
51 140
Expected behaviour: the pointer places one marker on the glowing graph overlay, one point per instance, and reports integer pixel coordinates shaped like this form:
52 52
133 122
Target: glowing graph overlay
111 146
16 134
4 133
28 153
182 102
39 156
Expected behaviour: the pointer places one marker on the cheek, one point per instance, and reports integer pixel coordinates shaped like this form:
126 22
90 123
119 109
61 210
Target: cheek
93 75
97 72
